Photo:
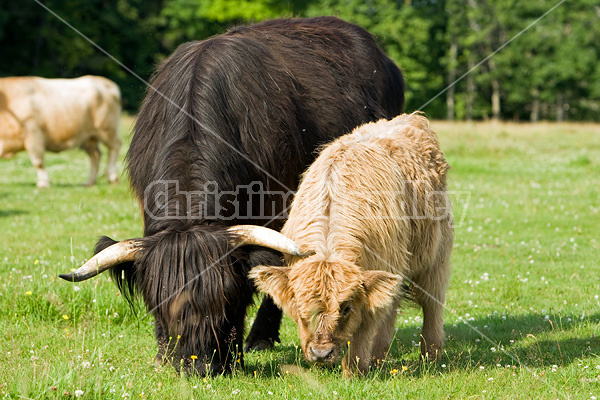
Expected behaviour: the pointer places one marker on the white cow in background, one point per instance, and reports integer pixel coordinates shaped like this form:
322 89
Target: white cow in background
38 115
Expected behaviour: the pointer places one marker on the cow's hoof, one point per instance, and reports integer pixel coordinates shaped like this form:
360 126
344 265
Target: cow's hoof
259 344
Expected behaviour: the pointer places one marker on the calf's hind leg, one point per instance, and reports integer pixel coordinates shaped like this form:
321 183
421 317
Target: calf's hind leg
430 294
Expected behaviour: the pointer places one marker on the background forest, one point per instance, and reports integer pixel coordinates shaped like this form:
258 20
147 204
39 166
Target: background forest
548 72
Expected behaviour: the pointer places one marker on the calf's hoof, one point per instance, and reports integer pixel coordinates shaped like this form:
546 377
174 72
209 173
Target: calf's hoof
434 355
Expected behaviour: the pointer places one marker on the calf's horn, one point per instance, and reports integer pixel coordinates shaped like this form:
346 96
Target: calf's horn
126 250
262 236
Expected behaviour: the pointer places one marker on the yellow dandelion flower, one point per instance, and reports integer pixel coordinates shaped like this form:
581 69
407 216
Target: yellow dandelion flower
178 336
36 261
193 357
404 368
348 343
28 293
394 371
65 316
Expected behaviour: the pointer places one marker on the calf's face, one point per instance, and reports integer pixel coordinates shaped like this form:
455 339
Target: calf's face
328 300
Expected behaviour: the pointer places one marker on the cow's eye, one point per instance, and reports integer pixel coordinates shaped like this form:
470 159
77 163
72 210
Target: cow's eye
346 309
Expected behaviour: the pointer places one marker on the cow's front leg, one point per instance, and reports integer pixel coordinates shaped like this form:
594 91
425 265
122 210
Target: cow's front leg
358 355
34 144
265 330
383 339
163 342
357 358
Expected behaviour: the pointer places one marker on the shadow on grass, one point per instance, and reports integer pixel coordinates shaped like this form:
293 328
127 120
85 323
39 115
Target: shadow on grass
514 341
54 184
12 213
284 354
67 185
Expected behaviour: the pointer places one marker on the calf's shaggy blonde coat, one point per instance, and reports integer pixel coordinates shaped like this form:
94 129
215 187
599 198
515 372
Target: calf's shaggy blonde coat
373 207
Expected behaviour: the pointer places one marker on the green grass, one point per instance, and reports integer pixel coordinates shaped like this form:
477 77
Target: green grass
522 318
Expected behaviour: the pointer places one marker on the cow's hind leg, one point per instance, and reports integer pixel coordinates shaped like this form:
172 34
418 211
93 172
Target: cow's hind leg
113 154
430 293
93 150
265 330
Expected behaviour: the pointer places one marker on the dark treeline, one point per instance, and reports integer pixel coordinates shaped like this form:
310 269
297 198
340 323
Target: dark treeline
548 72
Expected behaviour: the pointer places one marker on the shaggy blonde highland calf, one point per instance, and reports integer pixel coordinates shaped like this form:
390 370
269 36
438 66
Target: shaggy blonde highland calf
374 210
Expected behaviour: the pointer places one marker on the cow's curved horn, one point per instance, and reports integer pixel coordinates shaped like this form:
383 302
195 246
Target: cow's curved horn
120 252
262 236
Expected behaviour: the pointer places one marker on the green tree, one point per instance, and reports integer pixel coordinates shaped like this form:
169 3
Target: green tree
551 71
195 19
411 33
37 43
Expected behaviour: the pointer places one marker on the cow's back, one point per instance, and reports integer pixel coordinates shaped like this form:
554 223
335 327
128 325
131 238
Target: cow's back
62 112
253 104
74 110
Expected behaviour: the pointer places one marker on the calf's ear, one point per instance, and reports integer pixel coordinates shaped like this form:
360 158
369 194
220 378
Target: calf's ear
381 287
273 281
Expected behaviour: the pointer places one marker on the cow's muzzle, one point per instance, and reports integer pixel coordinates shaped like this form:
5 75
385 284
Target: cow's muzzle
324 353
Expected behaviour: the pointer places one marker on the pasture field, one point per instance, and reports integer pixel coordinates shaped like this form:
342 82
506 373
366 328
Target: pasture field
522 316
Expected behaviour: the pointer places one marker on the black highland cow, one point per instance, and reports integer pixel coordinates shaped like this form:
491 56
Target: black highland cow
246 107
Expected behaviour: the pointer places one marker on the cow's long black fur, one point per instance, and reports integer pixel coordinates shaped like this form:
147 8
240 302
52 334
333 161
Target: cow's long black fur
251 105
